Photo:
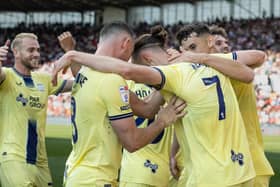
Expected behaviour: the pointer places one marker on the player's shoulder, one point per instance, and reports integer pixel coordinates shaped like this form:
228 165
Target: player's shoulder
100 75
185 66
7 70
179 64
112 78
41 76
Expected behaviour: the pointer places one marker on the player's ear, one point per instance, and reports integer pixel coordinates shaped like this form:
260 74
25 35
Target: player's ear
15 51
125 42
146 59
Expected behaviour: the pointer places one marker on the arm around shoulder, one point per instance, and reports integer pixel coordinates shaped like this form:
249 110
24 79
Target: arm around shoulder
138 73
251 58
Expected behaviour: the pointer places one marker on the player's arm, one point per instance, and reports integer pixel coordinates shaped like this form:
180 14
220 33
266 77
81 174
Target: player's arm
148 107
3 57
137 73
172 162
61 87
133 138
68 43
68 86
225 64
251 58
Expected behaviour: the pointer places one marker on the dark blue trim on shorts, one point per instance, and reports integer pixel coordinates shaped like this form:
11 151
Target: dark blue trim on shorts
122 116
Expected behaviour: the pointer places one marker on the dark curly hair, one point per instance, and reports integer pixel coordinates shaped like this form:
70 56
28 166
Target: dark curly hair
187 30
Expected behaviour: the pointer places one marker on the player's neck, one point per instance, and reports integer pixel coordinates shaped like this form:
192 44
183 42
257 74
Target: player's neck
106 50
22 69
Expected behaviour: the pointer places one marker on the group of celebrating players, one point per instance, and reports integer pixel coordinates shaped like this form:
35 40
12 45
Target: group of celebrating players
183 118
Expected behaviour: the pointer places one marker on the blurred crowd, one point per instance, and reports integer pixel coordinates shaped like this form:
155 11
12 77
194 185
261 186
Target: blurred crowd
243 34
267 88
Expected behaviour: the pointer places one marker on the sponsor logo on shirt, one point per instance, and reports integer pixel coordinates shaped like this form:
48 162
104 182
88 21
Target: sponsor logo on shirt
124 92
127 107
32 101
152 166
237 157
22 99
81 79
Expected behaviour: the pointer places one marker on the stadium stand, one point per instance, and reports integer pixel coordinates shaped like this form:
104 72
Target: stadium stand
249 24
243 34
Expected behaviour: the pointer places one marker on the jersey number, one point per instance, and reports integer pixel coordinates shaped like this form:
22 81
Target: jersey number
215 80
73 116
140 120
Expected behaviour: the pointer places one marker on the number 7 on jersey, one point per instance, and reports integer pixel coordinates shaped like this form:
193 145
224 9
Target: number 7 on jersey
222 108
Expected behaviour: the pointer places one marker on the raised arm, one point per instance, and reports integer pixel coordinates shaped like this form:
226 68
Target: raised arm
3 57
68 43
137 73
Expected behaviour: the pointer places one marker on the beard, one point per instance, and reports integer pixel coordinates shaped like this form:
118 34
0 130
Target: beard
31 64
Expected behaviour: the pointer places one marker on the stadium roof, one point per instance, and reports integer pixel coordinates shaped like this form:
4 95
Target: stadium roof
76 5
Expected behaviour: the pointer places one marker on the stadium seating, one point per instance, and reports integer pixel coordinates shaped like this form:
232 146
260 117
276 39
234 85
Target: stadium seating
243 34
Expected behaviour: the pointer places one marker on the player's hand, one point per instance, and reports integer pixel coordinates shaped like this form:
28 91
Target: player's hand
4 51
66 41
191 57
173 111
172 54
63 64
174 168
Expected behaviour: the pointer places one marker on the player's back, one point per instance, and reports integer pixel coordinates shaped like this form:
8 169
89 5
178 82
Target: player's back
95 144
213 126
150 164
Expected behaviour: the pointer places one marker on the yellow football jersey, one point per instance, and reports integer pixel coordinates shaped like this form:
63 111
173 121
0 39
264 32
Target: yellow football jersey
23 114
246 97
219 150
182 156
149 165
97 99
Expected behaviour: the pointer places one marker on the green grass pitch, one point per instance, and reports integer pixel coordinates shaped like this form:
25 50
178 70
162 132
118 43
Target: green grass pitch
59 147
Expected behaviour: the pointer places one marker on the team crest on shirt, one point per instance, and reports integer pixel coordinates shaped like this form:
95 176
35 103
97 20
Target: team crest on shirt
237 157
153 167
124 92
40 87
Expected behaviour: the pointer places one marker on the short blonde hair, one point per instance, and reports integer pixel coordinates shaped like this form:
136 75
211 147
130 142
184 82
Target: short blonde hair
19 37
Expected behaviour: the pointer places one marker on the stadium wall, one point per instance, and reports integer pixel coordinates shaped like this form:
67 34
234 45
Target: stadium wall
113 14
